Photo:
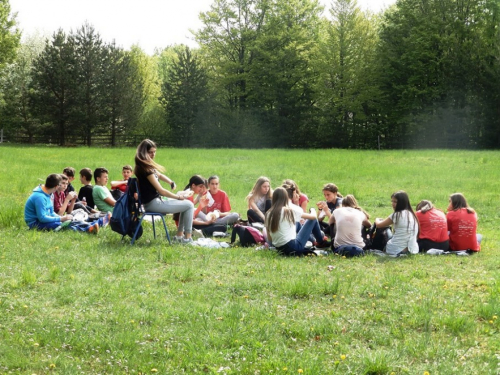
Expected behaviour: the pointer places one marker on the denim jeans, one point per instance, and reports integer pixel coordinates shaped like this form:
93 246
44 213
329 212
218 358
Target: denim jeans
349 251
297 246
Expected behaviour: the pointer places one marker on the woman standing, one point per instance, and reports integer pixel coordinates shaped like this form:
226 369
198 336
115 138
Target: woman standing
405 223
462 224
149 175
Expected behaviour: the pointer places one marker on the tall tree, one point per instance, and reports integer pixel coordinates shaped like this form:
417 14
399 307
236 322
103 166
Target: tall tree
152 120
9 34
433 52
123 96
15 83
185 92
347 84
281 79
90 59
53 85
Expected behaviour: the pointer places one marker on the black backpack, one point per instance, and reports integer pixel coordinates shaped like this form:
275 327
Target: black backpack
248 235
125 218
378 237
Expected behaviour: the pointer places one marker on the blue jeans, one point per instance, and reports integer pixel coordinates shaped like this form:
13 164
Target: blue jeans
349 251
297 246
44 226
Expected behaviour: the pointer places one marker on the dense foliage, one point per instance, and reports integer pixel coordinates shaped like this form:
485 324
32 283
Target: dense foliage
272 73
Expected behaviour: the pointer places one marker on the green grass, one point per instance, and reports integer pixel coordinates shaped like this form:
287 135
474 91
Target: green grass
74 303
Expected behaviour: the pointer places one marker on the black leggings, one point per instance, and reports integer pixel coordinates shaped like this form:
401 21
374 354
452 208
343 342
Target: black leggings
253 217
425 244
208 230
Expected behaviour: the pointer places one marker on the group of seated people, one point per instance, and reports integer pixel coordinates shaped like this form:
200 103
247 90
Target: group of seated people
55 204
289 226
283 213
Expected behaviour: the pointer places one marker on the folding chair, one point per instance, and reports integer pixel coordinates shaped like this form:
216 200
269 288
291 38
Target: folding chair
142 215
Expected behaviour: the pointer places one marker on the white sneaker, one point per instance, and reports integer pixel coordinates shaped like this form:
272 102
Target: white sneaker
197 233
186 241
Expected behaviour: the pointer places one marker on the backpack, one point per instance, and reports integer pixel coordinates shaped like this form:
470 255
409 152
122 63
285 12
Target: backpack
379 237
248 235
125 218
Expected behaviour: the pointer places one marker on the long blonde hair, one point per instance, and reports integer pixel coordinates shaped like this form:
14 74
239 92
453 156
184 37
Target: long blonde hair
143 162
350 201
279 203
255 192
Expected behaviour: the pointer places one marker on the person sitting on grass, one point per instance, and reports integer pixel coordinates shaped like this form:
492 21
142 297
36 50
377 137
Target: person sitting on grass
333 200
433 227
281 227
462 224
64 203
406 226
317 237
218 203
69 172
85 193
39 210
259 200
350 220
199 186
101 194
299 198
118 188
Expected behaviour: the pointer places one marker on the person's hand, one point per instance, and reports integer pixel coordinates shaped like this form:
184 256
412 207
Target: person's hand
321 205
67 217
181 197
71 195
203 202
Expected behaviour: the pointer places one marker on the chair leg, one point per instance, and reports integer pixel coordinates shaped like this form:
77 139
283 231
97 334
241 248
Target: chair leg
166 230
154 228
137 230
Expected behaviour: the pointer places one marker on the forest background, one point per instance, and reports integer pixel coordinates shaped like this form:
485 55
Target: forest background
267 73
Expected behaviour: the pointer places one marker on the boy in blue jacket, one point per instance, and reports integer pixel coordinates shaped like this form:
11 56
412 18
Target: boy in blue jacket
39 210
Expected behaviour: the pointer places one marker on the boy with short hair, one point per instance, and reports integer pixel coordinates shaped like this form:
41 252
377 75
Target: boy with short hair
118 188
39 211
127 172
101 194
70 173
64 202
85 193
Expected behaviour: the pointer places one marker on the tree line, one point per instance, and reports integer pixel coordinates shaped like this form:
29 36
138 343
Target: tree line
269 73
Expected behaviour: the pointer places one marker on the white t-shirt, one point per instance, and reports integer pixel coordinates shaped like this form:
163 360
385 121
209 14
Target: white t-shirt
286 230
348 222
404 235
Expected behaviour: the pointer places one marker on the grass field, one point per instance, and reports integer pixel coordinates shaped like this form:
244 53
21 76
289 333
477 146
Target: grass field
72 303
